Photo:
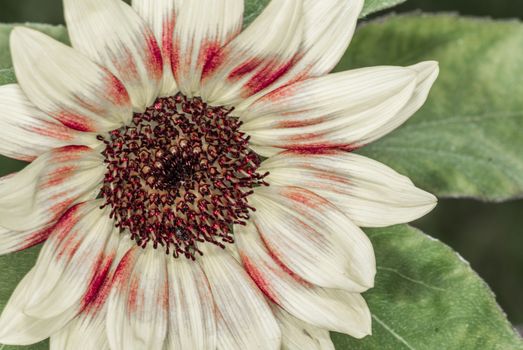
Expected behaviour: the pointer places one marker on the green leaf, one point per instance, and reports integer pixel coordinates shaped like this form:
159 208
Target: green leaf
428 297
467 140
7 75
372 6
254 7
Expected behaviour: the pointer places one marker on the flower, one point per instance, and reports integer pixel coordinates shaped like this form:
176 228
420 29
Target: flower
145 141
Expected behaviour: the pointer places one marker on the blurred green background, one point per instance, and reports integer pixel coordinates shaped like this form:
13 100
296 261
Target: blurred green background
489 236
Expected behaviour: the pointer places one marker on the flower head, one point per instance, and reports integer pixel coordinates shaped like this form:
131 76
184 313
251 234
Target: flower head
194 183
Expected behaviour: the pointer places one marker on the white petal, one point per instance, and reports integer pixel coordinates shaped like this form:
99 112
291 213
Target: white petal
74 261
298 335
368 192
20 329
84 332
327 31
13 241
69 271
67 85
192 323
137 310
113 35
245 321
203 28
257 57
161 16
87 330
427 73
332 309
313 239
55 181
26 132
336 111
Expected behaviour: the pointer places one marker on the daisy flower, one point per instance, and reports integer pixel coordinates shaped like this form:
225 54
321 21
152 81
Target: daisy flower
192 182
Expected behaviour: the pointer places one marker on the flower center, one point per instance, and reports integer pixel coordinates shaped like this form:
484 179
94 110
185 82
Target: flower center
180 174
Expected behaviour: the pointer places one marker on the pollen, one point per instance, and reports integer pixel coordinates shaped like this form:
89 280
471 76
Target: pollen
180 175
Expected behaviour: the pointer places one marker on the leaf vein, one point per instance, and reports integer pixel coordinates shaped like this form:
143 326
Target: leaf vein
411 279
391 331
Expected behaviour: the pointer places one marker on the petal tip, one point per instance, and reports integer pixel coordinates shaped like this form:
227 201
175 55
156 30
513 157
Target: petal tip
426 69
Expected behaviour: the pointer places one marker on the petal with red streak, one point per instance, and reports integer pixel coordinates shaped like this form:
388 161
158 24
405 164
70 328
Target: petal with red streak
67 85
257 57
332 309
202 29
244 320
162 16
368 192
26 132
327 31
137 310
88 329
341 110
113 35
72 264
313 239
46 188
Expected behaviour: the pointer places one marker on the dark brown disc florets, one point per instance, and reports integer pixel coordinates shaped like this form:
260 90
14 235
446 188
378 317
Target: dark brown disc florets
180 174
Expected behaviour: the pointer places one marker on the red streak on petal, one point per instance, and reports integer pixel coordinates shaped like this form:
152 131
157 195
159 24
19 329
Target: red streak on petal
36 237
306 152
245 68
66 223
212 65
304 197
58 176
116 91
299 123
125 65
120 273
62 203
175 56
265 77
154 59
319 148
124 269
331 177
103 267
258 278
291 87
165 295
301 76
280 263
71 245
167 39
281 93
134 288
69 153
75 121
208 51
53 130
